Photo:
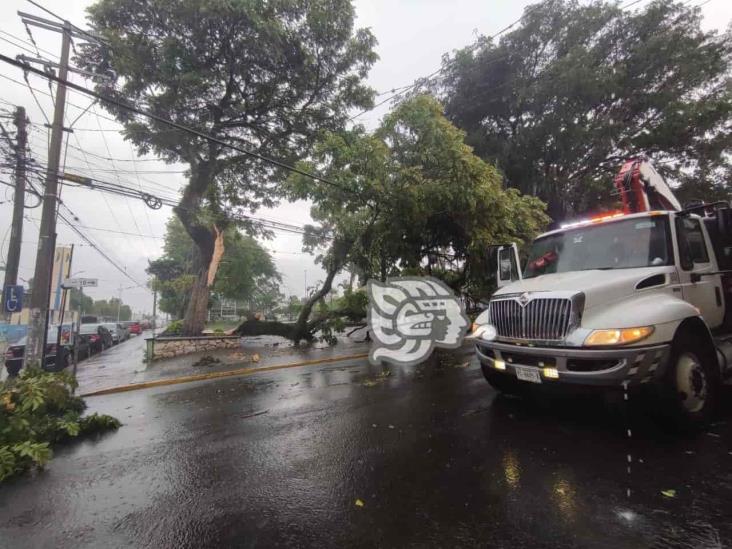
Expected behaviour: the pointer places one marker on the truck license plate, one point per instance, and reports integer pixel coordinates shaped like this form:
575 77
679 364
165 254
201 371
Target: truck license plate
528 374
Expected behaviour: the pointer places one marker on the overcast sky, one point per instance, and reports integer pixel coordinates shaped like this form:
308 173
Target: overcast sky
412 36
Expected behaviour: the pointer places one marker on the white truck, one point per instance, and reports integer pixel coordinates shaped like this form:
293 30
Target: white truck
619 300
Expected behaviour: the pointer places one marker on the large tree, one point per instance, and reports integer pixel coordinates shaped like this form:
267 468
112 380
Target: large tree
405 199
261 74
558 103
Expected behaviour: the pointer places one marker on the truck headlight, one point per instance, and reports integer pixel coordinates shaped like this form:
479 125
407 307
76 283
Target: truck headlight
618 336
481 328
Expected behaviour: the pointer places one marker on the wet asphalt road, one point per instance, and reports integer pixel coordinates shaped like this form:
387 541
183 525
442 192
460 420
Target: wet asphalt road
438 460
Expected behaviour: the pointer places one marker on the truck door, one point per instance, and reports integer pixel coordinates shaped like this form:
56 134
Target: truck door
695 257
508 265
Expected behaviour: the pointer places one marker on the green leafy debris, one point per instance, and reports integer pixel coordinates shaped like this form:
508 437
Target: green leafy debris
38 409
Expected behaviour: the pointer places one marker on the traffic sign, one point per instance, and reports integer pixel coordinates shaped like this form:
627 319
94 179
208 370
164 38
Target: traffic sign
79 283
13 299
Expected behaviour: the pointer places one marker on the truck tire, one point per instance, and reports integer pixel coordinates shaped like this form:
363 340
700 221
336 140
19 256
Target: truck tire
691 384
503 383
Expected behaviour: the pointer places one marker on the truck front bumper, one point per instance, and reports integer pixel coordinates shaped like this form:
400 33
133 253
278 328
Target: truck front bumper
579 366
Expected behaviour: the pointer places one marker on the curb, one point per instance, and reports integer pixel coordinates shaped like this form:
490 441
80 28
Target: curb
215 375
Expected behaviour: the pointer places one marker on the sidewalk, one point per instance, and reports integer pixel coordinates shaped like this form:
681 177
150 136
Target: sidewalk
124 364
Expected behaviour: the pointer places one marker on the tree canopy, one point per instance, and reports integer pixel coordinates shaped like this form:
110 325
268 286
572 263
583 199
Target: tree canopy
264 75
558 103
99 307
412 198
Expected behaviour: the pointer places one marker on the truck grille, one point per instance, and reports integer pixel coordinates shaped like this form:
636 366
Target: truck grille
541 318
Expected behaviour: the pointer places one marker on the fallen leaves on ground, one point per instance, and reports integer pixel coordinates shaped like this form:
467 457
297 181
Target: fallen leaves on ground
381 378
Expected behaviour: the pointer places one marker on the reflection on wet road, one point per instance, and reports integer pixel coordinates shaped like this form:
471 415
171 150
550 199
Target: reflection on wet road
437 459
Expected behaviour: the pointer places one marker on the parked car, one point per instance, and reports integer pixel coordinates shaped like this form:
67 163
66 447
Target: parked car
57 357
124 331
95 338
134 327
145 325
119 332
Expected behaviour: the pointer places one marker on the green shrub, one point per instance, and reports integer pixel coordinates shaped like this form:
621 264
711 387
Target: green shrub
175 328
38 409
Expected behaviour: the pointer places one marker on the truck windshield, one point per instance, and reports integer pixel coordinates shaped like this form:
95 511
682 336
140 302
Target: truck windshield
625 244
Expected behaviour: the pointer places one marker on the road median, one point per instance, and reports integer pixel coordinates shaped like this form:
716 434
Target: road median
215 375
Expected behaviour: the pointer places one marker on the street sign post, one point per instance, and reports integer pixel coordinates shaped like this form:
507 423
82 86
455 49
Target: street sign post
80 283
13 298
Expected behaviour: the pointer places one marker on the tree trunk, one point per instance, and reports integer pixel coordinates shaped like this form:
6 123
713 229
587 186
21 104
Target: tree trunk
253 327
209 242
303 330
195 317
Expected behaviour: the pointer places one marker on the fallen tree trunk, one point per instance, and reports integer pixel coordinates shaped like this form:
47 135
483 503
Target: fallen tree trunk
253 327
294 331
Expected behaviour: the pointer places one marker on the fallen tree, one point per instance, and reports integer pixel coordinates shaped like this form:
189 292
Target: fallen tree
407 198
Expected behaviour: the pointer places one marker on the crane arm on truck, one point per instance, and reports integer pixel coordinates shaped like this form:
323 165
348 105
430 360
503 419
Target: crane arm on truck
643 189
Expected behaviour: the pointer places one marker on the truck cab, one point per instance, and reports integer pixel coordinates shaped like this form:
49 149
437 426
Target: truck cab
614 301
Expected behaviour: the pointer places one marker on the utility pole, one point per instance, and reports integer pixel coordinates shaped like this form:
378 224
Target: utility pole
77 330
37 328
16 231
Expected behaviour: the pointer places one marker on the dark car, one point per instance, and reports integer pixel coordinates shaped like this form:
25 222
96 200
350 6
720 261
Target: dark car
94 338
57 357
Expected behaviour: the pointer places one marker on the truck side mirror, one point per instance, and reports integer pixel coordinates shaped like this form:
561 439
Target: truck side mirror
508 265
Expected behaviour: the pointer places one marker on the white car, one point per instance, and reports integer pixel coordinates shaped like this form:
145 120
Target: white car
118 331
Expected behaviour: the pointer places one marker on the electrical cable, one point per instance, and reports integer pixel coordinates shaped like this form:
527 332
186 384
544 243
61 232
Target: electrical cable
181 127
94 169
109 152
98 249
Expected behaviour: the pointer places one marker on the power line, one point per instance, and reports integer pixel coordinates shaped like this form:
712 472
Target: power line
109 152
88 34
42 92
97 248
120 232
163 120
425 79
400 91
120 190
20 46
94 169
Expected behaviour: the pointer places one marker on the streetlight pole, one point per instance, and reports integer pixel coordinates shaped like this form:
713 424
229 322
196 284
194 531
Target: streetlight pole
155 308
119 302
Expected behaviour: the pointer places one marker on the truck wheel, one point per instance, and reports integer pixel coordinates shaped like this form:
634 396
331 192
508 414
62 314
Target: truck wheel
503 383
691 383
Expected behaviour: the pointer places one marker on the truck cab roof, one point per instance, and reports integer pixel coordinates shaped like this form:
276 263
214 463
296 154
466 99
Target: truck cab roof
607 217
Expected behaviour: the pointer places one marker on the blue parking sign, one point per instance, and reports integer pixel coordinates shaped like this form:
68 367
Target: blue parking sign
13 299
